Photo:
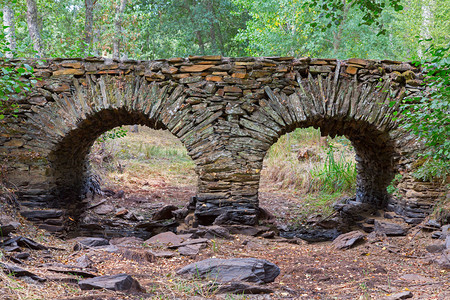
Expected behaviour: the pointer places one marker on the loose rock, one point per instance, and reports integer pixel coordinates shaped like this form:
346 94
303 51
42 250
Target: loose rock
235 269
348 240
120 282
390 229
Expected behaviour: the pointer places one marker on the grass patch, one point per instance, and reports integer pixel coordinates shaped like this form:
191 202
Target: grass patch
140 158
315 170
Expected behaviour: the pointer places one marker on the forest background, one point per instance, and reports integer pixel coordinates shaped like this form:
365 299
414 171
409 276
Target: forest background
406 30
153 29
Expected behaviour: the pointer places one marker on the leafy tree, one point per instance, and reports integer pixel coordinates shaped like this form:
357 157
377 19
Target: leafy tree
428 116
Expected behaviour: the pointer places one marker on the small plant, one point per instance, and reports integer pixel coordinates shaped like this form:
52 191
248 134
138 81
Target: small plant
392 188
335 175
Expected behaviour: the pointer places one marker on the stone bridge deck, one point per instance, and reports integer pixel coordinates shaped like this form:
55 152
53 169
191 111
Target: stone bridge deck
226 111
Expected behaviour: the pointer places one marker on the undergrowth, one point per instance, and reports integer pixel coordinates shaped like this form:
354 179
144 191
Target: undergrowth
319 171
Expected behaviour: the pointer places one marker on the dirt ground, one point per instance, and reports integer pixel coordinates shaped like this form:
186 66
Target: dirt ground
308 271
372 270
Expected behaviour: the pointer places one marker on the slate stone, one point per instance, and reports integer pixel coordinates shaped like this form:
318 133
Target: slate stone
212 232
165 239
42 214
23 242
7 228
444 260
126 241
435 248
71 271
189 242
51 228
22 255
234 269
348 240
137 254
164 213
104 209
241 289
390 229
90 242
19 272
191 250
415 277
247 230
164 254
120 282
84 262
399 296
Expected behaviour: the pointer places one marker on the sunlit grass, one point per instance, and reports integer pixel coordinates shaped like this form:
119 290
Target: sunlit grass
326 174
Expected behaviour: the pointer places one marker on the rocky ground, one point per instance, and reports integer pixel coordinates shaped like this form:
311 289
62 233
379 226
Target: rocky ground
394 261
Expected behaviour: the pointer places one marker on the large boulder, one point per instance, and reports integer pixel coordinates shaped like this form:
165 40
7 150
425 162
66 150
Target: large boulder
234 269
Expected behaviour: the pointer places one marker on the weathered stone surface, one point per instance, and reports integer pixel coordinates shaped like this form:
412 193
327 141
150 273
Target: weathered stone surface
16 271
215 105
41 214
68 72
390 229
166 239
241 289
120 282
348 240
164 213
399 295
235 269
89 242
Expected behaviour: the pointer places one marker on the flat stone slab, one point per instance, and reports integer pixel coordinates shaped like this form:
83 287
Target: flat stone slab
42 214
167 239
234 269
241 288
390 229
90 242
19 272
348 240
119 282
399 296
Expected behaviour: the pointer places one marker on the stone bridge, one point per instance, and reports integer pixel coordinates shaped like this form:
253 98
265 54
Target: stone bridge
226 111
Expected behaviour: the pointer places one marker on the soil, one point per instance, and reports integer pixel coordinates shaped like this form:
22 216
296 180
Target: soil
308 271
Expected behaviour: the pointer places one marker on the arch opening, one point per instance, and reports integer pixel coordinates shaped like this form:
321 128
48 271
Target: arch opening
360 151
70 159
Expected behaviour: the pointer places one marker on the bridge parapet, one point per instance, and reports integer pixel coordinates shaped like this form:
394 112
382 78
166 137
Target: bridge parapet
226 111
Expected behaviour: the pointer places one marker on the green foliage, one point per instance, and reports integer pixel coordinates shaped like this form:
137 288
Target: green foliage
333 11
428 116
298 28
335 175
115 133
15 78
392 188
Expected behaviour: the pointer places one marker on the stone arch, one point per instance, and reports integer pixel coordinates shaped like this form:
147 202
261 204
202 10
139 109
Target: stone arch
338 105
92 105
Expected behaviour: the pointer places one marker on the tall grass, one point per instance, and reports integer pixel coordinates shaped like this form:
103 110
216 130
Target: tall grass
328 169
336 174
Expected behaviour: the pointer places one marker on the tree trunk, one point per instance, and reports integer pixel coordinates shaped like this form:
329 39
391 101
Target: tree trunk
118 28
32 21
8 20
89 23
212 29
337 37
200 42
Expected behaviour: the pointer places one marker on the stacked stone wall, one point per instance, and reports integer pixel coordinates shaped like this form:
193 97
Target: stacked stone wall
226 111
